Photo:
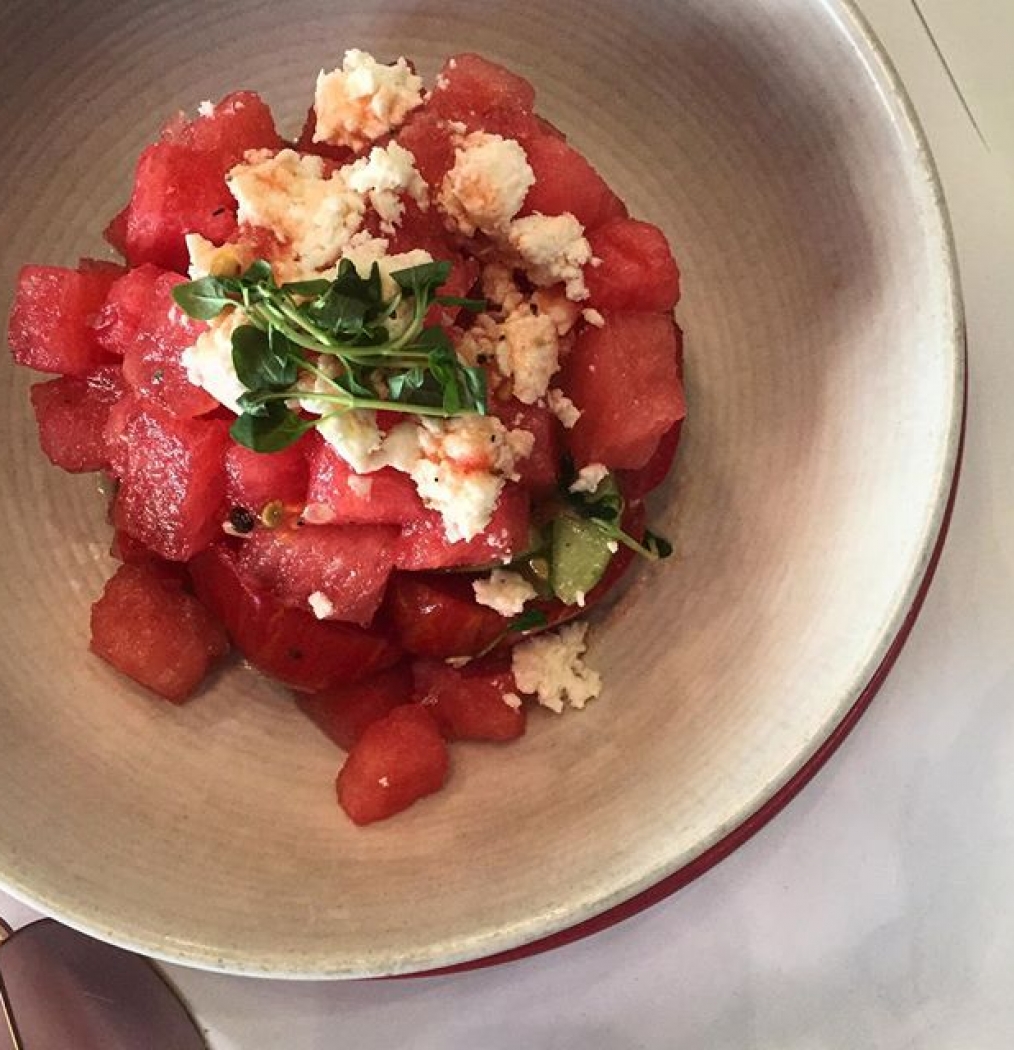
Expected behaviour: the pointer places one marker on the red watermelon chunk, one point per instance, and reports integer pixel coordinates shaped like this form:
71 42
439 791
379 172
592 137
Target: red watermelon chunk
179 184
151 630
482 94
152 362
177 190
256 479
540 471
427 136
566 182
72 413
50 326
396 761
475 702
636 484
341 496
344 712
126 308
625 380
115 232
172 491
289 645
424 545
437 615
637 270
347 565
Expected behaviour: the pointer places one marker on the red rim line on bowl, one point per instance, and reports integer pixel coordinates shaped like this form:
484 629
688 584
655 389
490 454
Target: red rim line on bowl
753 824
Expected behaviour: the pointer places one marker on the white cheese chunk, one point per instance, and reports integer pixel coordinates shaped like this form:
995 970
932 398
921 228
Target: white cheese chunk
209 361
313 215
321 605
206 258
386 176
487 185
529 354
500 288
503 591
593 317
554 303
553 249
589 478
364 100
563 408
512 700
549 667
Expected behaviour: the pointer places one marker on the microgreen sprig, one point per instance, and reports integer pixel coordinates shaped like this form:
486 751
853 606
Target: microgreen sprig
384 355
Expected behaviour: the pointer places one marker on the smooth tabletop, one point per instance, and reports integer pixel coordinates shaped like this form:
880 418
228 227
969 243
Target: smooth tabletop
874 911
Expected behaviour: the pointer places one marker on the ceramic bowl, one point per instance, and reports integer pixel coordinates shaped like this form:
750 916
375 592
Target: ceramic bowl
825 377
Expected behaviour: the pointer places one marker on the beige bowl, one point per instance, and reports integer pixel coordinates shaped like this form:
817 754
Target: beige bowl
775 147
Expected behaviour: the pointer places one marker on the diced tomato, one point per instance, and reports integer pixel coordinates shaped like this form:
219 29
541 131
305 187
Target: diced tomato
305 143
437 615
566 182
384 497
636 484
346 564
424 545
127 307
427 136
624 378
152 361
396 761
51 320
344 711
72 413
172 490
475 702
480 93
150 629
539 471
637 270
256 479
286 644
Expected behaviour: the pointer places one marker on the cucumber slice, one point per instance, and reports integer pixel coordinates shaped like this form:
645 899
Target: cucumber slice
580 556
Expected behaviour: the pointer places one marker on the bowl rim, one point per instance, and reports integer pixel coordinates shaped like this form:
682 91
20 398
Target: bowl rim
645 888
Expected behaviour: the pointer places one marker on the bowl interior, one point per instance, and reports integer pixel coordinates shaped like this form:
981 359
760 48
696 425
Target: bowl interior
824 383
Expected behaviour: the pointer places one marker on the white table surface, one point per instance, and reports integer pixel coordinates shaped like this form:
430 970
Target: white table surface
876 910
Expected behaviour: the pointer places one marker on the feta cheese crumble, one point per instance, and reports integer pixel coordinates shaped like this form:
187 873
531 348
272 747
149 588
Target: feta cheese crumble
504 592
320 605
362 101
553 249
208 362
549 667
594 318
487 185
563 408
529 354
589 478
206 258
314 215
206 108
384 178
512 700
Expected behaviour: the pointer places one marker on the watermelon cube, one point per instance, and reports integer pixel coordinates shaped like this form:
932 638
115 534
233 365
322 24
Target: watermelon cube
151 630
396 761
424 545
437 615
126 308
625 379
344 567
636 484
484 96
637 270
72 413
256 479
427 136
344 712
241 121
172 490
384 497
476 702
51 321
152 362
289 645
566 182
540 472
